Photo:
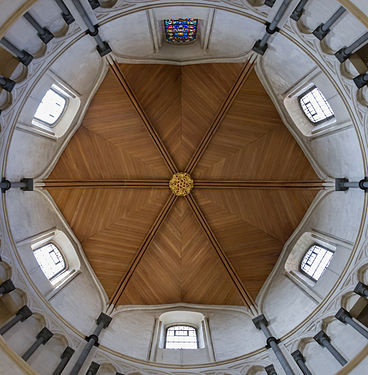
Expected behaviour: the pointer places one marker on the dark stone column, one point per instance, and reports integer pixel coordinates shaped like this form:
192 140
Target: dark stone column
272 27
103 48
93 368
361 80
343 184
345 317
270 370
94 4
361 289
43 33
23 314
26 184
324 28
325 341
345 52
298 11
261 323
6 287
270 3
6 84
41 339
67 16
261 45
65 358
300 361
103 321
23 56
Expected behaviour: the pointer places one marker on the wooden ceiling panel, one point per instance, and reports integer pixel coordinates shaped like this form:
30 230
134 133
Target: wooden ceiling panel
176 267
253 143
181 102
158 89
204 89
111 143
110 225
133 136
252 227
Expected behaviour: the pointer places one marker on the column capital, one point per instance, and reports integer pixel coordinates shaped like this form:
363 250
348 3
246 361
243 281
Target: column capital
270 370
298 356
6 83
259 320
92 337
342 315
93 368
361 80
270 3
105 319
67 353
321 337
320 33
361 289
45 334
24 312
94 4
7 286
270 340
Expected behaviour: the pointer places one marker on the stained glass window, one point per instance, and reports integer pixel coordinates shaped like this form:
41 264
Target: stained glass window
51 107
315 261
315 106
181 337
50 259
181 30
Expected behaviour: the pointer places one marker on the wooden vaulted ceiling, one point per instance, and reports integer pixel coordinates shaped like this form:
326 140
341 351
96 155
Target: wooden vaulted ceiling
252 184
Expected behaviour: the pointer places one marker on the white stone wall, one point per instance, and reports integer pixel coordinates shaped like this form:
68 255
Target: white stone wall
337 151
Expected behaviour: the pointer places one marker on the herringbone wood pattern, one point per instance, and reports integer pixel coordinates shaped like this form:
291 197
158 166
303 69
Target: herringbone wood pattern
253 143
179 263
111 143
180 268
109 227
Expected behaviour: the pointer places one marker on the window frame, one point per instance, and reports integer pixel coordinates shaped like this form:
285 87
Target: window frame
66 266
58 91
305 254
306 92
181 325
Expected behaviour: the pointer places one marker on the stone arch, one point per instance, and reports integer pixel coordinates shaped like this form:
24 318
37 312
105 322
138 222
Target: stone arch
47 357
256 370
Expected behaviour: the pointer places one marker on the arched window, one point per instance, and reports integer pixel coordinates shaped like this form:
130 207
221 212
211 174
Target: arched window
51 107
50 259
181 337
315 106
315 261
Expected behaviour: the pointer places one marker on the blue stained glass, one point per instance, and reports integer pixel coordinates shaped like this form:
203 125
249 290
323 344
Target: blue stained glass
181 30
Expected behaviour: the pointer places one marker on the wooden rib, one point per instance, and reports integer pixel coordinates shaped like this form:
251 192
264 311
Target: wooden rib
248 67
146 242
260 185
246 297
151 131
199 184
160 184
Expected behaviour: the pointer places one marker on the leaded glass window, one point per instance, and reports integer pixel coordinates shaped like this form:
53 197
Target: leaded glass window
50 259
51 107
181 337
315 106
181 30
315 261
